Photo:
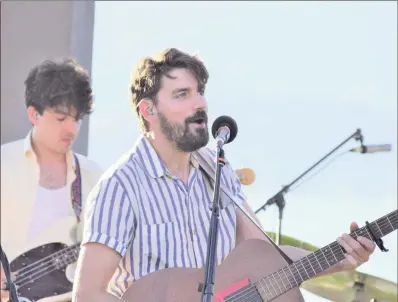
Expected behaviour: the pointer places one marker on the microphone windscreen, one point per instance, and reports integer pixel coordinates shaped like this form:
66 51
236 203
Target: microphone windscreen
227 121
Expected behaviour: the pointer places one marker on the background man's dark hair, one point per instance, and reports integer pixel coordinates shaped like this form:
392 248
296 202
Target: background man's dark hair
60 83
147 75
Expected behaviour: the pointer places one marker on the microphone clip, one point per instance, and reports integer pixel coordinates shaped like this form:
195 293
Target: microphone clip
359 137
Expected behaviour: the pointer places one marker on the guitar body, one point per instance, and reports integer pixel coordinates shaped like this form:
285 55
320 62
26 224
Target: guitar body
248 262
53 285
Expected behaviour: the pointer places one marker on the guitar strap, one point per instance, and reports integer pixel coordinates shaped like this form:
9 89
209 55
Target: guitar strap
77 190
209 173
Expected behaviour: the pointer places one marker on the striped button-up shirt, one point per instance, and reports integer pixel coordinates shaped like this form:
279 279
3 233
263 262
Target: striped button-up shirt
154 220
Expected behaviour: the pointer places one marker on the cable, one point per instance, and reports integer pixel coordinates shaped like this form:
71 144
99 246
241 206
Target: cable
319 170
7 272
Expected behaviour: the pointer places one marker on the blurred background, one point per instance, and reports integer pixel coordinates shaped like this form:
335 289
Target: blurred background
298 77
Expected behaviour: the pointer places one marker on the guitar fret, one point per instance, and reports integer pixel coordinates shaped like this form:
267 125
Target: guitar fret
294 279
276 283
315 264
388 219
310 266
379 230
272 285
367 233
327 262
289 284
319 257
282 280
293 275
268 291
330 255
341 253
304 270
298 271
262 290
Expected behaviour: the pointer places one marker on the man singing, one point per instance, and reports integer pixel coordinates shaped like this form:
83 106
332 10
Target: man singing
152 210
44 184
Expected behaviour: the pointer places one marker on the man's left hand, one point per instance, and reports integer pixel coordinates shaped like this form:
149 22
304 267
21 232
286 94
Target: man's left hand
357 251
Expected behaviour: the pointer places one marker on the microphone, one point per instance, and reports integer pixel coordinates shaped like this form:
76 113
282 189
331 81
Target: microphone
246 176
224 130
372 148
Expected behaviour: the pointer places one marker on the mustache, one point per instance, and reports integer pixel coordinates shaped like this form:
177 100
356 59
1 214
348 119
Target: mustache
198 115
69 136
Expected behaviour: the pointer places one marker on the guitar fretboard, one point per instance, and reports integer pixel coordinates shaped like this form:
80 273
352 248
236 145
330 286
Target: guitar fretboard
319 261
38 269
67 256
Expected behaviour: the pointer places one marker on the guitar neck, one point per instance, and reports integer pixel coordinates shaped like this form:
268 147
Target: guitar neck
68 255
319 261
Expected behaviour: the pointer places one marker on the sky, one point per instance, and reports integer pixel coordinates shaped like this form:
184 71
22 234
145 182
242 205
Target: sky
298 78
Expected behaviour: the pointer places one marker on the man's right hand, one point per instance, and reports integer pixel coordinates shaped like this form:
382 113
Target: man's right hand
5 294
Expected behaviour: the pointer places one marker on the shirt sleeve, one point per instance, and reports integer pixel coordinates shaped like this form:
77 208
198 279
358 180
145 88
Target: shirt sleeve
109 216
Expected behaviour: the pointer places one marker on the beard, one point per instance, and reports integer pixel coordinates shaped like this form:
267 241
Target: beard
185 139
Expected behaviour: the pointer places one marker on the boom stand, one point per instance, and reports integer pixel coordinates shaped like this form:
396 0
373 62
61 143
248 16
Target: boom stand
208 285
279 198
7 271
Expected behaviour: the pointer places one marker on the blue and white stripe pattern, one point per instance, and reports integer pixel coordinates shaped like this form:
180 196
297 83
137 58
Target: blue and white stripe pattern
155 221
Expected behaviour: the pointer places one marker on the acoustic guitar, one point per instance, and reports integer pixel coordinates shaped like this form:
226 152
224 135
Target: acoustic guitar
254 271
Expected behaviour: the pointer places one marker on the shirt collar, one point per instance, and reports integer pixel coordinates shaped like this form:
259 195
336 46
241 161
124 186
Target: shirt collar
30 153
151 161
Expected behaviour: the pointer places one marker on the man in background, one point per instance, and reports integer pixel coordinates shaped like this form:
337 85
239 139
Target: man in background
44 184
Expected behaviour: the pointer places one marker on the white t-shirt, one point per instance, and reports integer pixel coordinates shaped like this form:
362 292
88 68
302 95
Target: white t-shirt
50 206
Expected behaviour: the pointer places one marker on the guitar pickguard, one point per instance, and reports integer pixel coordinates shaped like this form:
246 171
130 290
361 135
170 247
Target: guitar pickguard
46 280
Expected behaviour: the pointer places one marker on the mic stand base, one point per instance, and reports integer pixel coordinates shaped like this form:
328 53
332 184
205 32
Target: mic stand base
207 288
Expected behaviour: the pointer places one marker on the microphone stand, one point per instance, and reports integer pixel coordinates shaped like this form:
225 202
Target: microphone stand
207 288
7 272
279 198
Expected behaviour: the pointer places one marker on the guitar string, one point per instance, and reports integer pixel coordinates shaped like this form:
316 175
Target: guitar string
45 259
251 290
36 265
56 267
51 267
40 273
253 287
386 222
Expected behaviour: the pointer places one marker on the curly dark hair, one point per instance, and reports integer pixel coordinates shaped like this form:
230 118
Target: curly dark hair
63 82
147 75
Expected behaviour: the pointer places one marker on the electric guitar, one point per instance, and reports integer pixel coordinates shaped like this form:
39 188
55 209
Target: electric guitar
254 271
41 273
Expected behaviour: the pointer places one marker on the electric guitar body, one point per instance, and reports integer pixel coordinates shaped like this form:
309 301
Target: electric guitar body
44 267
46 273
